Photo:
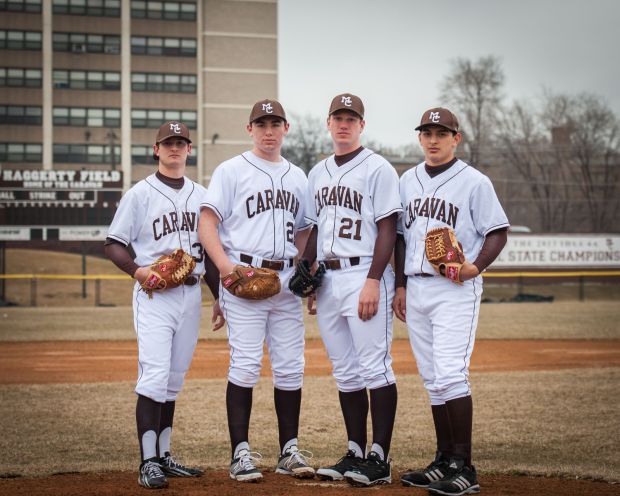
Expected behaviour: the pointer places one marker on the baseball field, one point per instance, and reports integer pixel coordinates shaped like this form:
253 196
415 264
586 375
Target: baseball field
545 381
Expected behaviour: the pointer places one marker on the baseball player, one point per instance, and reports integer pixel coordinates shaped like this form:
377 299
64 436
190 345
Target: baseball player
353 203
156 216
253 215
441 314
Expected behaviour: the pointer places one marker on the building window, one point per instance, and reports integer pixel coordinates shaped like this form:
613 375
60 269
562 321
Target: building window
150 118
87 80
151 45
18 114
86 43
90 117
169 83
107 8
14 77
20 40
176 11
32 6
21 152
143 155
86 154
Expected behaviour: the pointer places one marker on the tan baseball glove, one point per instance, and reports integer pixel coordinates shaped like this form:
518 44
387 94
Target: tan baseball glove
444 253
168 271
252 283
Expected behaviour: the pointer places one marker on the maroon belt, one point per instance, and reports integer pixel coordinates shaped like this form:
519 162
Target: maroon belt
336 265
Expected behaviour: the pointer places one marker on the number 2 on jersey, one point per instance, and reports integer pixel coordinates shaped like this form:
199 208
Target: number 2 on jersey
347 227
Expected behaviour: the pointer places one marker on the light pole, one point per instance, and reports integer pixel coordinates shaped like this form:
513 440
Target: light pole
112 140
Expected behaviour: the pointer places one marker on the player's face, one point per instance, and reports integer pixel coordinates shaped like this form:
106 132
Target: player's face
438 144
346 128
268 134
173 152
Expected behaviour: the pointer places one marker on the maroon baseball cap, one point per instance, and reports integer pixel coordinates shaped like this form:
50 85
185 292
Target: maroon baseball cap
172 129
267 108
439 116
347 101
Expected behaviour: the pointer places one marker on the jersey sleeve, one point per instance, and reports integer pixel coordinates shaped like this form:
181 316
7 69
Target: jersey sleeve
221 192
124 228
309 211
385 191
486 210
301 222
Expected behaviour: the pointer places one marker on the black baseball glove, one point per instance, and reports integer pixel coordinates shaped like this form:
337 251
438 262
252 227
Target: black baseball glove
303 283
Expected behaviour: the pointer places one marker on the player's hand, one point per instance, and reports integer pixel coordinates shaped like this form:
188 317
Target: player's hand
141 274
226 268
217 316
312 304
468 271
399 305
369 300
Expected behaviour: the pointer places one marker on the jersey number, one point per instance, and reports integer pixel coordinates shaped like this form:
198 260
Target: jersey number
200 251
289 232
347 227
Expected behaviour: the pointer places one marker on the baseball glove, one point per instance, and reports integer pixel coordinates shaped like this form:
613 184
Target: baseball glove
445 253
252 283
302 282
168 271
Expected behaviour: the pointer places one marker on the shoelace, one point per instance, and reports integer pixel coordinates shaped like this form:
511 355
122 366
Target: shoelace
248 460
152 469
172 462
298 456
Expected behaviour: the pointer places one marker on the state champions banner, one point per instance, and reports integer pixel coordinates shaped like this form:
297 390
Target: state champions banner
559 251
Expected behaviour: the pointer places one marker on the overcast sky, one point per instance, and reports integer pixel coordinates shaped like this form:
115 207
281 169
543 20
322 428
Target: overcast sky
394 53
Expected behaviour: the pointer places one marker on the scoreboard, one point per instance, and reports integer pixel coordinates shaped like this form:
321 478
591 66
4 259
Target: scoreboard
57 204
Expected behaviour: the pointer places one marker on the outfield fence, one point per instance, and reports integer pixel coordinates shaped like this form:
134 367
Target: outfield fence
519 279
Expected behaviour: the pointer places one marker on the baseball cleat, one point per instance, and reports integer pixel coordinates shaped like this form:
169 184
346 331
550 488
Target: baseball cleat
337 471
151 475
462 481
293 462
436 470
243 468
173 468
370 472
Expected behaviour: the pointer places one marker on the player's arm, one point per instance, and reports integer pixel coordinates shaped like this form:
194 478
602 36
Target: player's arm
310 249
384 246
210 240
120 256
494 243
301 239
400 297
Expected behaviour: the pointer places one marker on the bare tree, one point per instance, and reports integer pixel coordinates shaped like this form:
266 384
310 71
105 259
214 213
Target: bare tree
306 141
568 153
524 143
472 89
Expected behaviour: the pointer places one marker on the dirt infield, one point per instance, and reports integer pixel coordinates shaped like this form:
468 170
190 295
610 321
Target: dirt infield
218 483
108 361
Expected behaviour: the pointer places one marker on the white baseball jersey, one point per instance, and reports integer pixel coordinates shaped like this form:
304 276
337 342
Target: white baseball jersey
461 198
260 206
347 201
156 219
442 316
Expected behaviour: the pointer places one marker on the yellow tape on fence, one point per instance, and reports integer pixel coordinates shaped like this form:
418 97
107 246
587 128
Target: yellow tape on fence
110 277
91 277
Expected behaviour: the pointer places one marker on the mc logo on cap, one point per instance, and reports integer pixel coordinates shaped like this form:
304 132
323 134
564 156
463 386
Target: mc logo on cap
175 128
347 101
439 116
